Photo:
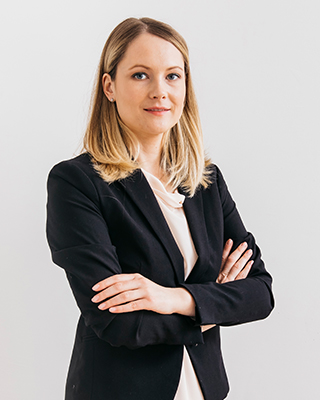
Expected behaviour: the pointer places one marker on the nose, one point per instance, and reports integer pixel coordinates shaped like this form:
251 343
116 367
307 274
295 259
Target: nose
162 96
157 90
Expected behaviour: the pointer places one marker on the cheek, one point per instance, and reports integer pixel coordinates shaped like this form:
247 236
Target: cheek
130 95
181 94
180 100
125 102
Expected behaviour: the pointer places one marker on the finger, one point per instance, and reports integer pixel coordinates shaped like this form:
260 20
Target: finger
119 286
226 251
225 254
234 257
238 266
129 307
245 271
121 299
221 277
112 280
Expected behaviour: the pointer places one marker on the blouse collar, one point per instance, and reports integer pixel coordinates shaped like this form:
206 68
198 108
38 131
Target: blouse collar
174 199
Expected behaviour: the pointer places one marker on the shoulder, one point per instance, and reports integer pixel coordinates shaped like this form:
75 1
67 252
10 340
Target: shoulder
74 175
215 178
81 163
77 170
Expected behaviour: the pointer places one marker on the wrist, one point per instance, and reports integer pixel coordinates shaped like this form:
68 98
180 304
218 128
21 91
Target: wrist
184 304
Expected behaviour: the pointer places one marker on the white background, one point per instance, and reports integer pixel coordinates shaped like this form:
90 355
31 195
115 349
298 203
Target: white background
255 65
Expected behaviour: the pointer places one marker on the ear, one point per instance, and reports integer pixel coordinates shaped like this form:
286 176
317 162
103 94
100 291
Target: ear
108 87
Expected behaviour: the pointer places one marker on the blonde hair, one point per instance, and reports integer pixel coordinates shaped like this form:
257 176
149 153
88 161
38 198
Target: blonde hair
114 148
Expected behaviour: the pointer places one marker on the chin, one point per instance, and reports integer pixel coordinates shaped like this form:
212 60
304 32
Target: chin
156 130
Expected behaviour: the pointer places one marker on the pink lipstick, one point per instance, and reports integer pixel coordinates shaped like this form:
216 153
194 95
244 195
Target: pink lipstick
157 110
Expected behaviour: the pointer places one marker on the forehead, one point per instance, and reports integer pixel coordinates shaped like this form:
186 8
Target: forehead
152 51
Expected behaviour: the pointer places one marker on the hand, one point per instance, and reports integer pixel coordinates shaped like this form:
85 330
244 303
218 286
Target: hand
234 266
133 292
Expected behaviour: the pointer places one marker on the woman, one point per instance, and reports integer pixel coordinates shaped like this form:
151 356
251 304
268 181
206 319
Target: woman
153 247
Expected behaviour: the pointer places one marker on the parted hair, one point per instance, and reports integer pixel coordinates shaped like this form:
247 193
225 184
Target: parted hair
114 148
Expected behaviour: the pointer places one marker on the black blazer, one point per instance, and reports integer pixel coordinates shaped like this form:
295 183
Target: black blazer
95 230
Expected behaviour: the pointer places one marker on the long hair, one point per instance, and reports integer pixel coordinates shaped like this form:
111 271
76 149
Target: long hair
114 148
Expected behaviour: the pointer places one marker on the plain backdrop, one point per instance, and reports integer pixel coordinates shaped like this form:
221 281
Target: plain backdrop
255 66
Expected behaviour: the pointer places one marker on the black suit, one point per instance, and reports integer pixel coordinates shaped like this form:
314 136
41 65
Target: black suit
96 230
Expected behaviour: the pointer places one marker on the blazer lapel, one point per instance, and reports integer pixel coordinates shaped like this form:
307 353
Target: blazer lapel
194 211
141 193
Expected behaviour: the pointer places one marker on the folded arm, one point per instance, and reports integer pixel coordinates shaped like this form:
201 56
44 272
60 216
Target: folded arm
240 300
80 243
124 293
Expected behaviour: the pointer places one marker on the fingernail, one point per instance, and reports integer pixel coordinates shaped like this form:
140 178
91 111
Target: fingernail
95 299
250 251
112 309
229 241
102 306
244 244
96 287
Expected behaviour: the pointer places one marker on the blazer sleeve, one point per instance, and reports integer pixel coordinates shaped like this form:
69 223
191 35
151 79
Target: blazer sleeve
80 243
239 301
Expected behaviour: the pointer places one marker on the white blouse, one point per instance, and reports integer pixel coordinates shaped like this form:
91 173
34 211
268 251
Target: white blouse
171 205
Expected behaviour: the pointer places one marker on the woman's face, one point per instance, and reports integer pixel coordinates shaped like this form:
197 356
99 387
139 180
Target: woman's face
149 88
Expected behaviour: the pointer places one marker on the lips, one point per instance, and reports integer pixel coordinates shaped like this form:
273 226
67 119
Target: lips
156 109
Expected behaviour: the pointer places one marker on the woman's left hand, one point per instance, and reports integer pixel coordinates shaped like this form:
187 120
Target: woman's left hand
235 266
133 292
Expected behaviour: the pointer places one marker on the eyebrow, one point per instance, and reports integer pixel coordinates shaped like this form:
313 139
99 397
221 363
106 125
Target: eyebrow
145 67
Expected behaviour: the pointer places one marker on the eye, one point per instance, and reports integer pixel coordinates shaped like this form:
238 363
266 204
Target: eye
173 77
139 75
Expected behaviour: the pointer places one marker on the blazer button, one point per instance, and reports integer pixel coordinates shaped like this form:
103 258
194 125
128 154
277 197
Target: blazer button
196 344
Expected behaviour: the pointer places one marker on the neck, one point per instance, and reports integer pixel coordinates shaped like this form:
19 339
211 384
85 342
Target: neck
149 158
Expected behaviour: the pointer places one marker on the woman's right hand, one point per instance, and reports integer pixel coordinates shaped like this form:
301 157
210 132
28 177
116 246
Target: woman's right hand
123 293
235 266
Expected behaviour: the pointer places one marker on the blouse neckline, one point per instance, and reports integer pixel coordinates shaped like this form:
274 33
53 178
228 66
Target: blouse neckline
174 200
